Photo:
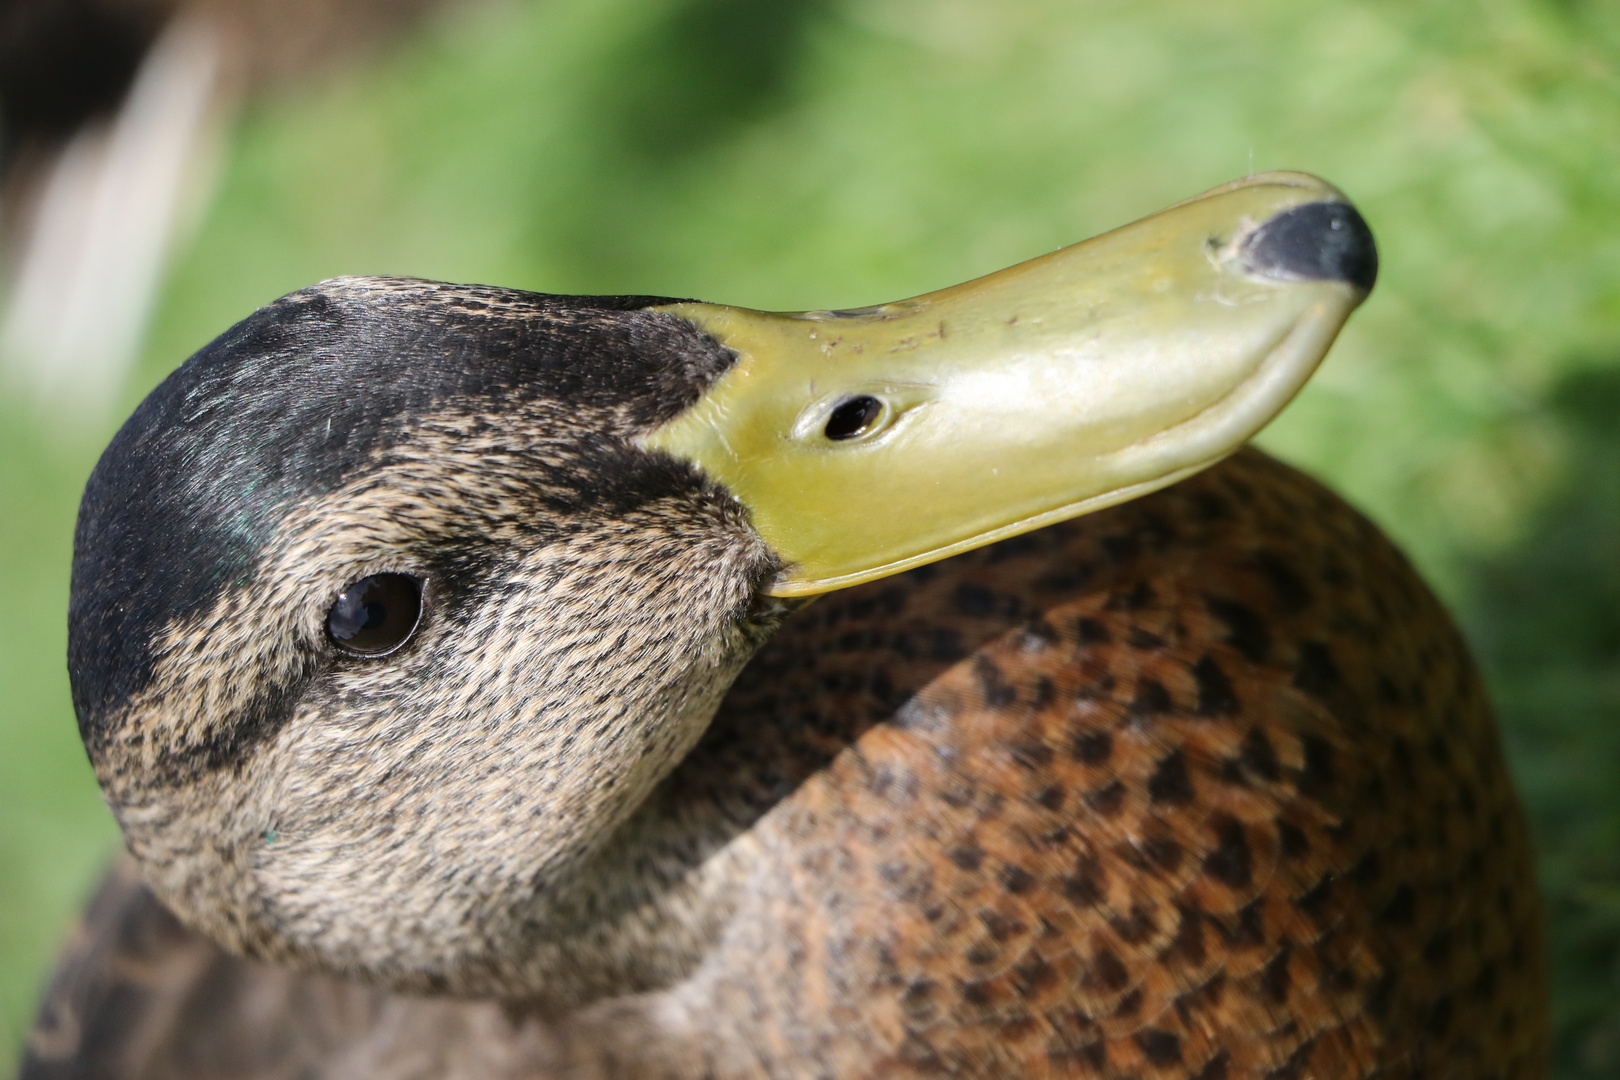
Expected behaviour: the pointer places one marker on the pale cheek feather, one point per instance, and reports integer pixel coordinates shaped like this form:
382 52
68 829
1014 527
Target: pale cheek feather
460 776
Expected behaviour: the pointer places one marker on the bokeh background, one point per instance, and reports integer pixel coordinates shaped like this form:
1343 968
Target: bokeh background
832 153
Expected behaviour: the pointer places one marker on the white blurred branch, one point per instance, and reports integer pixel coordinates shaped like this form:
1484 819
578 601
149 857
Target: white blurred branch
112 205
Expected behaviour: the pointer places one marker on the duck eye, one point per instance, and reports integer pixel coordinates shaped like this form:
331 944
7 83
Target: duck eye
853 417
376 614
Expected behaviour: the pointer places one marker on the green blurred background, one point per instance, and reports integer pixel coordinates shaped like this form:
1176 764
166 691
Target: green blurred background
831 153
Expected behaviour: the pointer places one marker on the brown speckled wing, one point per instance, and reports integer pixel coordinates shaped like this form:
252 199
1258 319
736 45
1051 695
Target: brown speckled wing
1203 786
137 996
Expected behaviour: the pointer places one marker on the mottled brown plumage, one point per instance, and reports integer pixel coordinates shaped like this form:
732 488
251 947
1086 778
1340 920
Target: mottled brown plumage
1202 786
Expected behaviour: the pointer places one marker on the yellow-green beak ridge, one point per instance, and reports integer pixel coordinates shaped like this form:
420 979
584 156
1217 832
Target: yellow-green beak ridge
870 441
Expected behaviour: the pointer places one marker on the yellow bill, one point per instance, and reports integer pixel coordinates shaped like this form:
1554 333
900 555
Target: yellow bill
866 442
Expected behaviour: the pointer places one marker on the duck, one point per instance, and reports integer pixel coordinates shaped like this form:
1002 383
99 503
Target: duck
493 684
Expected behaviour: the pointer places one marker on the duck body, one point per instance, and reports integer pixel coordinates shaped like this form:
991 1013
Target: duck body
446 654
1203 785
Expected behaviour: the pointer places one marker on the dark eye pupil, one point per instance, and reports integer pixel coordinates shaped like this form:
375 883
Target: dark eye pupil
852 417
376 614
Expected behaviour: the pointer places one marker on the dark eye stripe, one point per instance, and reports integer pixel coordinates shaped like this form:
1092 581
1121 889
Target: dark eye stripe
376 615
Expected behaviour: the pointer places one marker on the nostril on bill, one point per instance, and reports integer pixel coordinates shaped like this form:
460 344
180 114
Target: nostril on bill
1320 241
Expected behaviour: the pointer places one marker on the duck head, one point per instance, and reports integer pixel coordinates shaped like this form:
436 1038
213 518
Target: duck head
392 605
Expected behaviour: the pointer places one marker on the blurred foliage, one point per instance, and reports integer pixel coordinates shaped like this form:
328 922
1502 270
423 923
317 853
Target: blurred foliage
827 153
1544 619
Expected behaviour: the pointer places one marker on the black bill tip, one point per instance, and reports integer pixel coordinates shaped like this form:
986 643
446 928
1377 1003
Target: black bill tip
1320 241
